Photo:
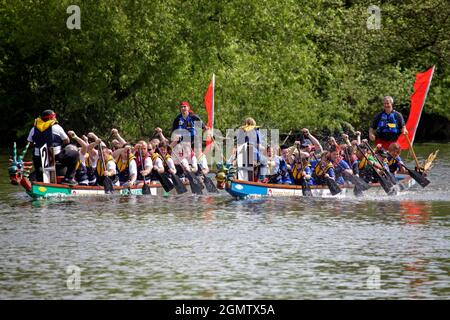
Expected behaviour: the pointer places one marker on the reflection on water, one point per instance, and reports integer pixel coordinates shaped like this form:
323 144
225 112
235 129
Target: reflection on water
215 247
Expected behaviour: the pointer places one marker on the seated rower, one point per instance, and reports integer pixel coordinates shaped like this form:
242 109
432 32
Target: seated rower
105 166
158 166
202 163
272 163
341 167
81 175
165 152
301 170
393 159
284 167
366 164
143 161
126 166
324 169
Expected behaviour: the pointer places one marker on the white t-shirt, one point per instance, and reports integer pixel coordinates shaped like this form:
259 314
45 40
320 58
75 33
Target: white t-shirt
158 164
171 164
57 130
148 163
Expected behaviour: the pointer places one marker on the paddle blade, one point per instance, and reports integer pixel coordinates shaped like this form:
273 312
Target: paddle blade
359 183
146 189
333 186
418 177
306 189
196 185
165 182
108 185
179 186
385 184
209 184
357 191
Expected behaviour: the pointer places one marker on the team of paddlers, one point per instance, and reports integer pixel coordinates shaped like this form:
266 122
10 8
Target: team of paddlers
87 160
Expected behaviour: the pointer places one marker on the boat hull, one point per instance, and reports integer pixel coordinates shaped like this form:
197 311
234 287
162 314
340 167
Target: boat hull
243 189
47 190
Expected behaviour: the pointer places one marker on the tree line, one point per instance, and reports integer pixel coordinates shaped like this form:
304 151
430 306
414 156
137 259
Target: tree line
287 63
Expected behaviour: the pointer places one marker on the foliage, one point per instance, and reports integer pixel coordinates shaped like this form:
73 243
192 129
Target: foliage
289 64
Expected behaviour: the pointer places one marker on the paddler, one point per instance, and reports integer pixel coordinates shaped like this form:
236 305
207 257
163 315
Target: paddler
46 130
387 125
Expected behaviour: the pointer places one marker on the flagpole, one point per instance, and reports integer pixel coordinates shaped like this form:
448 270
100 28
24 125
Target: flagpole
213 89
423 104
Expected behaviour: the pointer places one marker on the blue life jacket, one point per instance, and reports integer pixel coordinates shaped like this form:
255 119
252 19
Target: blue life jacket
187 124
388 124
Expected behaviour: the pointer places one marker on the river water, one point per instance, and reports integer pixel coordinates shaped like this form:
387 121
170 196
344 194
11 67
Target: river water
215 247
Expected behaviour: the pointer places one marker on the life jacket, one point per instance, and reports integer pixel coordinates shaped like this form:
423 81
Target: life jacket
99 169
319 171
393 163
362 164
81 175
297 171
124 168
388 124
187 124
137 158
43 134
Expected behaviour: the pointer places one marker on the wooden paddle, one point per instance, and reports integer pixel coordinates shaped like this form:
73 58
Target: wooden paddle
411 149
145 187
107 183
179 186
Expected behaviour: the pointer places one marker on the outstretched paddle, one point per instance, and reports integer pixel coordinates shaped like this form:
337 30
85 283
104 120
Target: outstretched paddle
145 187
165 182
386 171
194 182
209 184
107 183
306 188
417 176
360 184
387 186
179 186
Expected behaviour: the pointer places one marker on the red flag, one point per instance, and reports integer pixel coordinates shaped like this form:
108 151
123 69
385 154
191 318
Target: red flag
209 105
421 86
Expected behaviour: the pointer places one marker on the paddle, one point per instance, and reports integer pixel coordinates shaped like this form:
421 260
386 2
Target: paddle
331 183
107 183
209 184
164 181
194 182
179 186
306 188
386 171
387 186
417 176
412 150
360 184
145 187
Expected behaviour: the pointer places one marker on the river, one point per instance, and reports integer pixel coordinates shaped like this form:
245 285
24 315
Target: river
215 247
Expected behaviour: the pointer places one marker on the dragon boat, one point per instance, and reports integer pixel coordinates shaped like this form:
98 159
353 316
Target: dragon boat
19 175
